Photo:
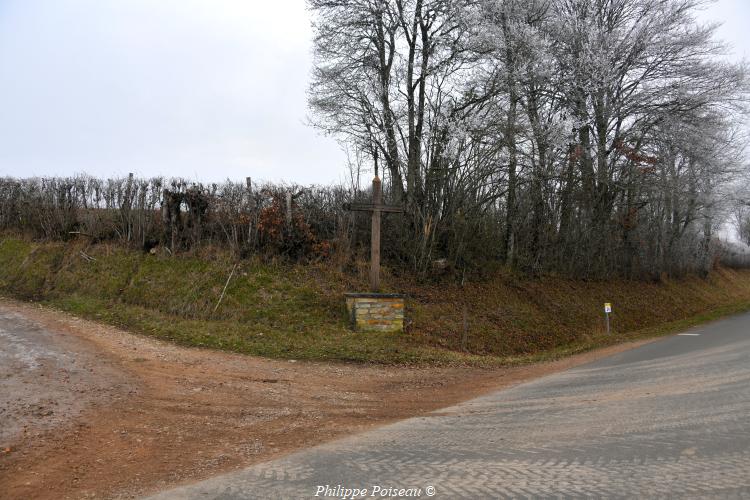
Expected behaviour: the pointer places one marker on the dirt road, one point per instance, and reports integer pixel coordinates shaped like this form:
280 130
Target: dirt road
90 411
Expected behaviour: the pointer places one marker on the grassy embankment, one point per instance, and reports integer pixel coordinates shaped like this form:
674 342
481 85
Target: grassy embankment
288 311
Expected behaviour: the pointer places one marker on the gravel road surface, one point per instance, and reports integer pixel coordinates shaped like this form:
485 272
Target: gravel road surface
47 377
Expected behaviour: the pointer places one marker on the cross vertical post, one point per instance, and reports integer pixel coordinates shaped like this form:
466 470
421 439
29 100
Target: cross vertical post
377 199
289 209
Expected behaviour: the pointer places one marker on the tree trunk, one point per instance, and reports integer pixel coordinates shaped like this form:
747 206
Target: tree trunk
510 140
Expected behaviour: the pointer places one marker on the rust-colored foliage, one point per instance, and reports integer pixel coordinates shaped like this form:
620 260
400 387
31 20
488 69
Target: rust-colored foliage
630 219
636 157
295 239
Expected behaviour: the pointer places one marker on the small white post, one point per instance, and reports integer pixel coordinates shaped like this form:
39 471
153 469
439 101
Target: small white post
607 310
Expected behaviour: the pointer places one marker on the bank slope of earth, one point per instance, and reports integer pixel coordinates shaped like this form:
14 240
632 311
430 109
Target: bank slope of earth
297 311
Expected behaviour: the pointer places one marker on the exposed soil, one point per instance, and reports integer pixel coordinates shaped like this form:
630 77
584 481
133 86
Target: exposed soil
90 411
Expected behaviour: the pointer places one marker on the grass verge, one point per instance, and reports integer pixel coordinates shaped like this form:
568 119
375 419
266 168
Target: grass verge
292 311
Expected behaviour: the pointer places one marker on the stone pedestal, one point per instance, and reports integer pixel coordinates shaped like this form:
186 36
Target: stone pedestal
376 312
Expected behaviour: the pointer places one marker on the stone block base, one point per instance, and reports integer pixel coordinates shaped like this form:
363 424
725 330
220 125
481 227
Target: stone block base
376 312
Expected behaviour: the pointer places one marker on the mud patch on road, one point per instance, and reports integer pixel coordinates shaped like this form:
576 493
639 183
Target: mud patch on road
48 378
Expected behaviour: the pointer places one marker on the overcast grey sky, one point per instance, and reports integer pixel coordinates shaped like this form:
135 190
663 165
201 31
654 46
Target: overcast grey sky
204 89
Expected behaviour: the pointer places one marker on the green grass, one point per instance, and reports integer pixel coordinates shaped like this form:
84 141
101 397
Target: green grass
294 311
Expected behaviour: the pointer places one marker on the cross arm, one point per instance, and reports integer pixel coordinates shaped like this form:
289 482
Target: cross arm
371 207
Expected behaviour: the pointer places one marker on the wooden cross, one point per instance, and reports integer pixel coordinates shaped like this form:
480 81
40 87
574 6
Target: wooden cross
376 207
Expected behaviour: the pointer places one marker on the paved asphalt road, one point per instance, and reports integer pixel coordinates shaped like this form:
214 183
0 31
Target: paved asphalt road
669 419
